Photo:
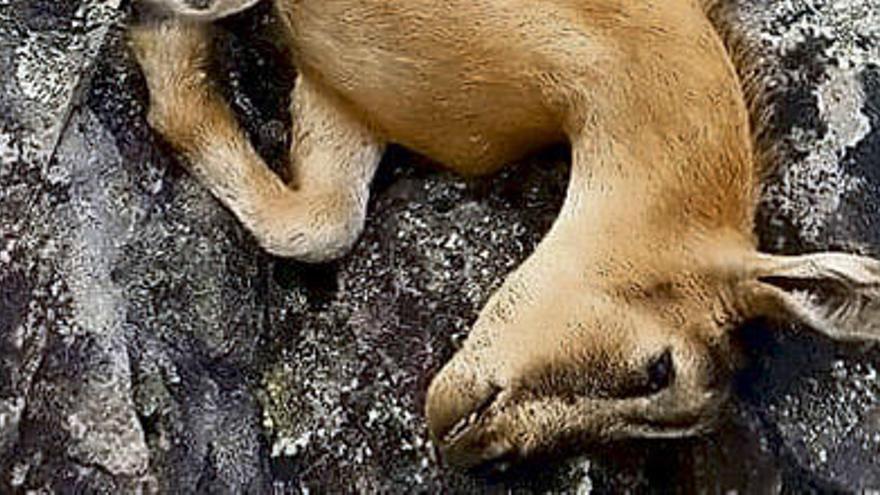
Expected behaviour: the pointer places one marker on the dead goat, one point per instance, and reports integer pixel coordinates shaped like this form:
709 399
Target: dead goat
619 324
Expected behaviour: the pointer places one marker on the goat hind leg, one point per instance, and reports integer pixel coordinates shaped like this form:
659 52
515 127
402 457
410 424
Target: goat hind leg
335 162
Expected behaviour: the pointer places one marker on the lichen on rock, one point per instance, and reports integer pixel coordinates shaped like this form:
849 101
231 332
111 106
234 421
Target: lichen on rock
146 343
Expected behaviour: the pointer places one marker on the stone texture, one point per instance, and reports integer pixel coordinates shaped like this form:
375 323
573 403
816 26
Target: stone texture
820 401
147 344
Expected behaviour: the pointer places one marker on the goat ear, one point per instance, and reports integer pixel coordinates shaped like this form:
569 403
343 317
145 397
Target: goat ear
833 293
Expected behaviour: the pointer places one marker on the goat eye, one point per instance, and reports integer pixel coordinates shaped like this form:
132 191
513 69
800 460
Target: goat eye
661 372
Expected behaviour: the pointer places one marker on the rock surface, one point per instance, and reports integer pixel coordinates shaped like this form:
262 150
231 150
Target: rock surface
147 344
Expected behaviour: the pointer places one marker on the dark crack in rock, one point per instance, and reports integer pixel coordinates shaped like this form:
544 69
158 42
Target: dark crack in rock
147 344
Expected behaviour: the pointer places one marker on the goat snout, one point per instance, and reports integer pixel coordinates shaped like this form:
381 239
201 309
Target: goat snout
456 394
459 398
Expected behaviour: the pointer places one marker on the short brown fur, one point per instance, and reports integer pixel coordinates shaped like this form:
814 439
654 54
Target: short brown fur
618 325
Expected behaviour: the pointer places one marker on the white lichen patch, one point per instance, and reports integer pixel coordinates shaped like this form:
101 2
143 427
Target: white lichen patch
290 447
844 34
10 416
811 190
47 68
849 25
824 416
6 251
102 423
9 151
49 86
584 485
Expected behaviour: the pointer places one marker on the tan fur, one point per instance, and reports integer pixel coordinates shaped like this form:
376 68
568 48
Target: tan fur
618 325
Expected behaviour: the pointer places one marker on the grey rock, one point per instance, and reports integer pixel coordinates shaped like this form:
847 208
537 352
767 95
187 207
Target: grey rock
47 48
147 344
820 400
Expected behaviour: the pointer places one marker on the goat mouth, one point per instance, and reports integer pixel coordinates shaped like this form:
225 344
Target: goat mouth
672 429
468 422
